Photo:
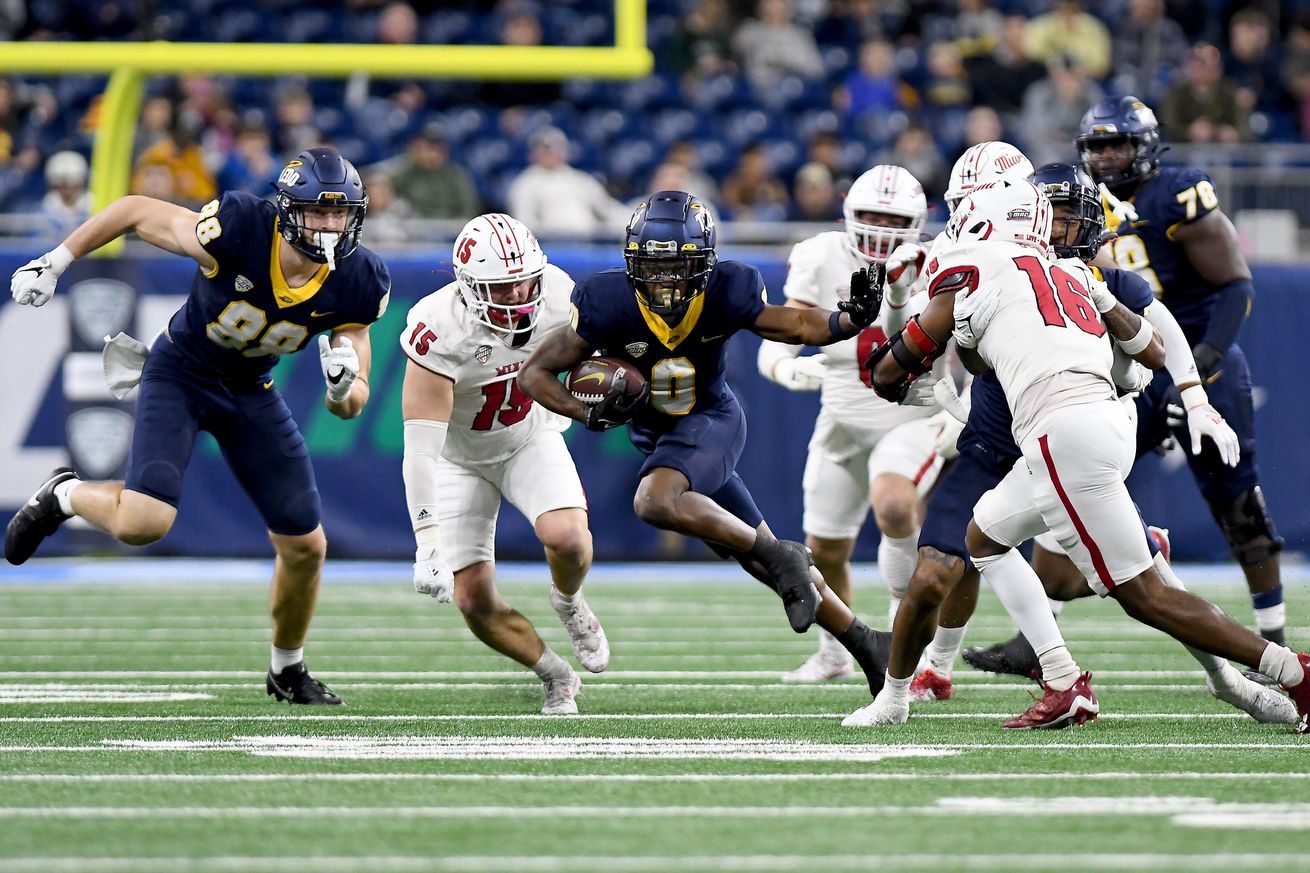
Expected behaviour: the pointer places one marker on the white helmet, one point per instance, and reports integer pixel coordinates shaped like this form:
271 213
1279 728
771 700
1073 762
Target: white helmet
985 162
498 250
889 191
1003 211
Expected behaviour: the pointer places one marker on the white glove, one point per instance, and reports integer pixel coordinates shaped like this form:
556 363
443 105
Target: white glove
801 374
948 433
33 284
340 366
922 391
433 576
903 268
1129 375
973 312
1203 420
950 400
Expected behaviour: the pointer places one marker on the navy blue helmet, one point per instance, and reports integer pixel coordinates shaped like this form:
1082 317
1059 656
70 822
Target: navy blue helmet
320 177
1118 121
669 251
1068 186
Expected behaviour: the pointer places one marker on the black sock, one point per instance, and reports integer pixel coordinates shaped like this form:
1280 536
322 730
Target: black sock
870 652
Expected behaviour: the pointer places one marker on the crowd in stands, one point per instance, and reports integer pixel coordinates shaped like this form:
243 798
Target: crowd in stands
765 108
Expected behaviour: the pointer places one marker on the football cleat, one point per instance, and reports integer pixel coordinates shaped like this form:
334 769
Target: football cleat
800 596
1014 657
1301 695
1161 537
930 685
590 645
295 685
37 519
1263 704
885 709
562 695
1059 709
823 666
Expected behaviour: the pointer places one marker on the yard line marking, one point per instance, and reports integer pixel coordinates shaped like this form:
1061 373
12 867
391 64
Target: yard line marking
616 675
660 863
1245 821
586 716
844 776
74 695
593 682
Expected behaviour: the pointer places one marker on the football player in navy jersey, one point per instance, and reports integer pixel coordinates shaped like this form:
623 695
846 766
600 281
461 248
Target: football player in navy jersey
1173 234
671 312
271 276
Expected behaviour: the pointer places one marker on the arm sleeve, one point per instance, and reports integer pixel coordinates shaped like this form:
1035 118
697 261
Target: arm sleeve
1178 358
1128 288
771 353
424 441
1231 308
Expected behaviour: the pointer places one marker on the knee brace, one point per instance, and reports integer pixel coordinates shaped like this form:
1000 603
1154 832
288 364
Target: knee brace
1248 527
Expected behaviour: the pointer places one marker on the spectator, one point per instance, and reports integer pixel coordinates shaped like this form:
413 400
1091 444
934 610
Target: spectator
752 192
982 124
701 45
947 84
390 218
1068 31
1053 109
1295 69
1000 79
978 28
683 152
1148 47
521 27
1204 106
397 24
851 23
250 165
295 130
816 197
674 176
873 87
1252 63
825 147
155 121
555 199
773 45
435 186
68 203
915 150
180 155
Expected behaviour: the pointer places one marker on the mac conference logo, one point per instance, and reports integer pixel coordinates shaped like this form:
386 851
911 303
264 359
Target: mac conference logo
99 438
101 307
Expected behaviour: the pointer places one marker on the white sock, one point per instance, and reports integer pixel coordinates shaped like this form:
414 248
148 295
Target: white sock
1269 618
894 689
896 559
1058 668
550 666
284 658
943 649
1057 606
1280 663
893 607
64 494
1023 597
569 600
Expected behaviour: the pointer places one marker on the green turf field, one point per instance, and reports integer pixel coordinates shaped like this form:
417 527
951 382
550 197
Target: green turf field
135 735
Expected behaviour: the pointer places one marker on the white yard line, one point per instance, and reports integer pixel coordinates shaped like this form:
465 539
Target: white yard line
615 675
591 683
290 716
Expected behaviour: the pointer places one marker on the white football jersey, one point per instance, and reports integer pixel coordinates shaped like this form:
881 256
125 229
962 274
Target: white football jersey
1046 341
819 273
492 417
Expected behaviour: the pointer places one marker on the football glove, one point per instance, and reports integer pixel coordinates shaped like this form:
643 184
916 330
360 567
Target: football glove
1203 420
613 410
922 391
948 433
801 374
33 284
952 401
903 270
433 576
1102 298
1129 376
973 312
1208 359
866 295
340 366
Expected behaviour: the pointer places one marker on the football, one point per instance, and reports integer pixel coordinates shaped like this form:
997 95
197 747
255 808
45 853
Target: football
593 378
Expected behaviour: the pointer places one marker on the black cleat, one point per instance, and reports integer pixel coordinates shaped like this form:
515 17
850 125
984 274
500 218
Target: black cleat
800 596
37 519
295 685
1014 657
1260 678
872 650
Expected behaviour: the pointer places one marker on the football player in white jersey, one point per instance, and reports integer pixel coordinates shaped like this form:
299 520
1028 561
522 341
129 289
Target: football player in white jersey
1037 324
865 451
472 436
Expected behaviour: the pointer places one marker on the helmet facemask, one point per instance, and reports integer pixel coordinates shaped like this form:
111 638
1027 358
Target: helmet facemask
667 281
1081 209
1135 160
511 322
874 235
321 246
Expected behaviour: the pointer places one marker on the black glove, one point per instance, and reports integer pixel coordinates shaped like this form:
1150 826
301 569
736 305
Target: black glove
866 295
614 410
1207 358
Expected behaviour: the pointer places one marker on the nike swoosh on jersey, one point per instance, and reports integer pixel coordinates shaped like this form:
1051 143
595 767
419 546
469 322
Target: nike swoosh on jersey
313 314
268 384
710 339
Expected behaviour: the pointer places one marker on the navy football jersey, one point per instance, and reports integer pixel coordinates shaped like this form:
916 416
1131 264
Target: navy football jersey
684 364
1145 245
989 413
240 317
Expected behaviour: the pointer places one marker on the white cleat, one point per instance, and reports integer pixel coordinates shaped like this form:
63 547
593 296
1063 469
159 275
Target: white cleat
562 695
822 667
884 710
590 646
1263 704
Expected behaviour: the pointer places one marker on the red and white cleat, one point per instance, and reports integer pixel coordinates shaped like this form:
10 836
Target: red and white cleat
1301 694
930 685
1161 537
1058 709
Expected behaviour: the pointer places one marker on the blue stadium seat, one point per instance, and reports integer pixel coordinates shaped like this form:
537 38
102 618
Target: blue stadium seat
672 124
741 126
447 27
